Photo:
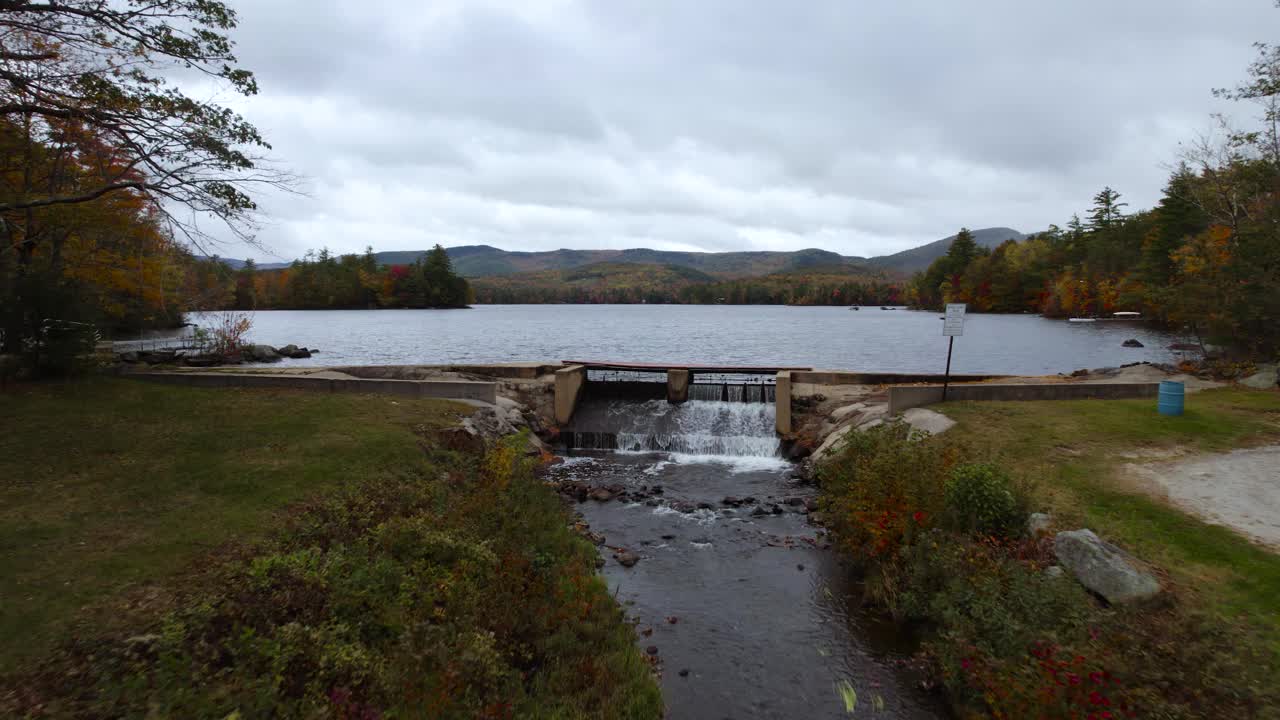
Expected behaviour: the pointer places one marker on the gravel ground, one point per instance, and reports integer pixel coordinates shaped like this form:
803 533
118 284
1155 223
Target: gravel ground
1239 489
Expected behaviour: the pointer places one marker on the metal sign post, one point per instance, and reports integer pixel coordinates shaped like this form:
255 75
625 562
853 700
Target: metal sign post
953 325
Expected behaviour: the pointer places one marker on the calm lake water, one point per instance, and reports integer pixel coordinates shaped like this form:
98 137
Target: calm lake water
870 339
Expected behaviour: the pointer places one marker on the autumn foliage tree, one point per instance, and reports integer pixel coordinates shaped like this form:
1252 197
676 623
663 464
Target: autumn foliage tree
106 163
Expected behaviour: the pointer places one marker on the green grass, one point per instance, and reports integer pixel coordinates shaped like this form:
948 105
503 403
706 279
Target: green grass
1072 451
287 554
108 484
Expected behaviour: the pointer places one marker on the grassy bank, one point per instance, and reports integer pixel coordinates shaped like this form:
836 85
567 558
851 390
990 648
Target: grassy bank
1076 451
196 553
938 528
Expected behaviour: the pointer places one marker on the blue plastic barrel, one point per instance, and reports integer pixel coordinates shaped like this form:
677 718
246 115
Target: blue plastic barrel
1171 397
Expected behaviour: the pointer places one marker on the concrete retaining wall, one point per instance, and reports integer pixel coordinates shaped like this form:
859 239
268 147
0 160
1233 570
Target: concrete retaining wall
782 402
678 386
910 396
522 371
445 389
842 377
569 384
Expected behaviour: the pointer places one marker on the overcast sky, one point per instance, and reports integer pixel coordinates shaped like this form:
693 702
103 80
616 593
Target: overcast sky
859 127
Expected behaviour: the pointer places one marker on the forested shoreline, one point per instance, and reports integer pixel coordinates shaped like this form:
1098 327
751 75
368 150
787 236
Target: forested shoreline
1206 258
324 281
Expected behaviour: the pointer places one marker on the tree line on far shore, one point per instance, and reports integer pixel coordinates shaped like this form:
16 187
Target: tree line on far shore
322 280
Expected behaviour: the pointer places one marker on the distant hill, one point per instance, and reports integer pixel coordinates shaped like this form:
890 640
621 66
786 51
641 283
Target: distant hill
483 261
840 283
609 282
910 261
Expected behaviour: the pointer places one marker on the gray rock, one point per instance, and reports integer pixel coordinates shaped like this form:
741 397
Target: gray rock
157 357
260 353
1132 343
1053 571
840 414
1103 567
626 558
1264 379
202 360
928 421
1038 523
833 441
295 352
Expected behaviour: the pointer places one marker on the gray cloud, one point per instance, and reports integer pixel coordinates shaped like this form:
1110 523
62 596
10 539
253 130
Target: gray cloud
863 128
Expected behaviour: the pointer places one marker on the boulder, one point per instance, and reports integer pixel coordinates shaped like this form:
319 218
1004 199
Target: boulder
201 361
295 352
1038 523
840 414
601 495
1132 343
828 446
799 451
157 357
129 357
626 558
260 353
928 421
869 418
1102 567
1263 379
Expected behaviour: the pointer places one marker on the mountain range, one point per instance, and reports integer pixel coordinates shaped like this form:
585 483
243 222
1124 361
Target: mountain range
486 261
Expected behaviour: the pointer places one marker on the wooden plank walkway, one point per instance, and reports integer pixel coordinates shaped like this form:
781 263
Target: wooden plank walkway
693 368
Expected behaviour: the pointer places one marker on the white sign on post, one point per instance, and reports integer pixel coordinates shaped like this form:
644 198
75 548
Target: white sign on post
953 324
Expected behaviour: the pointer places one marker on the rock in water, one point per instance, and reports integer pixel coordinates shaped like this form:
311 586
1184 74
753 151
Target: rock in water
1103 567
260 353
1132 343
626 558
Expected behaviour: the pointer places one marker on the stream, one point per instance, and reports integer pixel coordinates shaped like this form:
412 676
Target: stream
748 611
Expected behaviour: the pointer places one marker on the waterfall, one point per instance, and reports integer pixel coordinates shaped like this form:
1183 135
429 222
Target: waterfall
741 426
731 392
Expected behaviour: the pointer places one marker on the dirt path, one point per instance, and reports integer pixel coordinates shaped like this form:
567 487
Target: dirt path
1239 489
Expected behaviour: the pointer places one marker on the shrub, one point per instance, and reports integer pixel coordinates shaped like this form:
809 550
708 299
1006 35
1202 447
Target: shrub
981 499
407 595
882 487
225 333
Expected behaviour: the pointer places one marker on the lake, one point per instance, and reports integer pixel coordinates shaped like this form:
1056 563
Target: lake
869 340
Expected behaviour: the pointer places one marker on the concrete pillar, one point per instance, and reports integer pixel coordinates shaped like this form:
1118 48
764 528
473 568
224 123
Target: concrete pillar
678 386
782 393
569 384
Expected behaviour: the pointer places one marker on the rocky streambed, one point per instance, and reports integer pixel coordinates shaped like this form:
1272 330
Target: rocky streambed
737 597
